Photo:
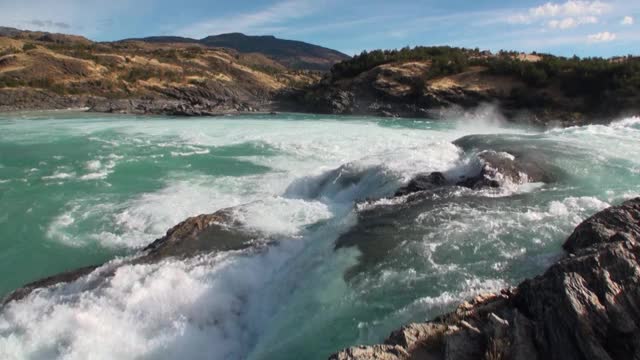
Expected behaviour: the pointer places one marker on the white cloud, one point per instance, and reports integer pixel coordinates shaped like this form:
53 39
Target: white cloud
627 20
259 22
604 36
570 8
563 15
568 23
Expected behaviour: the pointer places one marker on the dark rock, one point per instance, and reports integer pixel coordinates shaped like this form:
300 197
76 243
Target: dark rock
621 223
196 235
65 277
500 168
422 182
586 306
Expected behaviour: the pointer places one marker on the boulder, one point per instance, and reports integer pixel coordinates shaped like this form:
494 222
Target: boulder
422 182
199 234
620 223
500 168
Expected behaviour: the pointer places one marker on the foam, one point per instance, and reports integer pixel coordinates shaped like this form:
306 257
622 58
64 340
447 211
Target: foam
99 170
425 308
246 304
211 304
280 216
59 175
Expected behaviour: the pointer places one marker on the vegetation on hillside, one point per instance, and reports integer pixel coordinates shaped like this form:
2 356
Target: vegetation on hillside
444 60
589 77
592 77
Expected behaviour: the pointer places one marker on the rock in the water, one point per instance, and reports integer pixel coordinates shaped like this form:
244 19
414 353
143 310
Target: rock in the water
422 182
500 168
202 233
196 235
586 306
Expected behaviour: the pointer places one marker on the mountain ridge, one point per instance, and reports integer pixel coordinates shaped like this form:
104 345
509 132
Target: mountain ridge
294 54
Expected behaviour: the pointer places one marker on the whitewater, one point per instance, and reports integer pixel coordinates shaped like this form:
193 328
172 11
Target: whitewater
81 189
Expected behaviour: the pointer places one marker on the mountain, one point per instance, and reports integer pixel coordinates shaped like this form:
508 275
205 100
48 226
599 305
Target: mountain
290 53
293 54
43 36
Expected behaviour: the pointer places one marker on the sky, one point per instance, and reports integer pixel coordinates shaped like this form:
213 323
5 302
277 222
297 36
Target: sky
584 28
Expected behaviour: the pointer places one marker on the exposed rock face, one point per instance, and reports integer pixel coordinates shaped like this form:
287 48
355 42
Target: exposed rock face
35 99
400 90
620 223
198 234
586 306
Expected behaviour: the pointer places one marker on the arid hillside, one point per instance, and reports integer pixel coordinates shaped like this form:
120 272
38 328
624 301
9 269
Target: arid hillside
44 71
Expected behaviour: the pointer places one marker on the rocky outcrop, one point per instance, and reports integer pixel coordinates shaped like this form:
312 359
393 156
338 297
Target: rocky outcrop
586 306
615 224
495 169
19 99
199 234
402 89
203 233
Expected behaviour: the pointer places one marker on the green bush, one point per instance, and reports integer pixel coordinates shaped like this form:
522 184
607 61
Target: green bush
28 46
445 60
146 73
592 77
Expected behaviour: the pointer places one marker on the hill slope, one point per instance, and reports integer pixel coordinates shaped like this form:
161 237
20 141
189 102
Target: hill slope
290 53
51 71
430 81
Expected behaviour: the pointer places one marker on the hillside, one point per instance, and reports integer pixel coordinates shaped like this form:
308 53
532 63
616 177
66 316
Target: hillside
428 81
51 71
174 75
292 54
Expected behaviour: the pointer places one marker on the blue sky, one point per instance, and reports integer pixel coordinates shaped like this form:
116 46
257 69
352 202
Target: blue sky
585 28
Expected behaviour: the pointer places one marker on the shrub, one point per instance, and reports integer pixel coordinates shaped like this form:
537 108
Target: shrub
28 46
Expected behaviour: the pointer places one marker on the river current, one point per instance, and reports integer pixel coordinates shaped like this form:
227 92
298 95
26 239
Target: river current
80 189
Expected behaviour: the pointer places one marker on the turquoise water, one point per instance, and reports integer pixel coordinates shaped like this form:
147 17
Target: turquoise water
79 189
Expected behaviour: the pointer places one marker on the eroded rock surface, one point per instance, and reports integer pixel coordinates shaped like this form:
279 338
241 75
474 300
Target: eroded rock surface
586 306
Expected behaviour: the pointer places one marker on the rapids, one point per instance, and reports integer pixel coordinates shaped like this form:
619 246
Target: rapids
349 264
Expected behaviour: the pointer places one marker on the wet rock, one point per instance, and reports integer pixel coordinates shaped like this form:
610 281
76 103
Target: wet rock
196 235
422 182
586 306
498 169
65 277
